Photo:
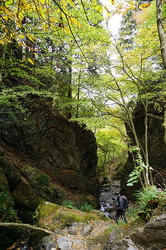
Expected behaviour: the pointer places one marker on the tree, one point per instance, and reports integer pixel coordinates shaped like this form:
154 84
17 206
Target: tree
160 28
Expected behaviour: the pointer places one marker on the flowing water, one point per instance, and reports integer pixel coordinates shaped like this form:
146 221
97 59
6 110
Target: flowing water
108 196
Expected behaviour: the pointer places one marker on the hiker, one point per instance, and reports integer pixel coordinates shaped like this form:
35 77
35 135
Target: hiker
122 205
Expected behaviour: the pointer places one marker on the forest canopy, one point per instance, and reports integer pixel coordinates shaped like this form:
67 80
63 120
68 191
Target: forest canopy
66 50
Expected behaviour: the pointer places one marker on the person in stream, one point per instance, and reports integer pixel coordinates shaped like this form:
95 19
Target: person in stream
122 205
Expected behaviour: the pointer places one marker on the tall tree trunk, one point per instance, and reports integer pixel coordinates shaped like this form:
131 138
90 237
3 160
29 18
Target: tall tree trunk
78 94
161 31
69 89
2 55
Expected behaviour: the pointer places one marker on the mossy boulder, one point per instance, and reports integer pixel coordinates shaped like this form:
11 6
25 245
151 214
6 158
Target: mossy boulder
7 212
3 182
99 240
25 196
52 216
61 149
11 172
42 185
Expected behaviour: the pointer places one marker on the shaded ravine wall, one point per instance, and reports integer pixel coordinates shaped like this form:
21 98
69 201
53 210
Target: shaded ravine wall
156 145
46 155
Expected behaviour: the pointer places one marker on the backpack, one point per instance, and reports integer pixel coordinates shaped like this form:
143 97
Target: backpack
125 202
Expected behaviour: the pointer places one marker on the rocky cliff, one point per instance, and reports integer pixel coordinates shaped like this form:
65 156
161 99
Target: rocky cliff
44 156
139 237
156 143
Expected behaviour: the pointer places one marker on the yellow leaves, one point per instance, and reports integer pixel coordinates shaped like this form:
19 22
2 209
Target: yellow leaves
30 60
32 38
42 1
76 22
67 30
12 247
112 2
45 26
8 2
132 7
71 3
99 9
145 5
6 11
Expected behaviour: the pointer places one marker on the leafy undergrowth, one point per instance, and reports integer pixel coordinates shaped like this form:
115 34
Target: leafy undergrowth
149 199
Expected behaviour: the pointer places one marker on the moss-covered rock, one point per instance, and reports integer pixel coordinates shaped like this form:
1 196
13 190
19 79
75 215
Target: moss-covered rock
7 212
52 216
11 172
25 196
99 240
3 182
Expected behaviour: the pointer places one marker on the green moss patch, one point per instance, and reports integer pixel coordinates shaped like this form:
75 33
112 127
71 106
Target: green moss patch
52 216
99 239
25 196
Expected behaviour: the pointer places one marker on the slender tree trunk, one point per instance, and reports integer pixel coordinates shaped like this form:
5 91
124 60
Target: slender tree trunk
146 146
69 89
78 93
164 125
161 31
2 55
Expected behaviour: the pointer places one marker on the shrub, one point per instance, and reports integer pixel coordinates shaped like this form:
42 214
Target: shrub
86 207
69 204
149 199
7 212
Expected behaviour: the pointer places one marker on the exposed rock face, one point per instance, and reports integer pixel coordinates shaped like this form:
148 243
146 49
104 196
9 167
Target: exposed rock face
43 152
151 236
156 143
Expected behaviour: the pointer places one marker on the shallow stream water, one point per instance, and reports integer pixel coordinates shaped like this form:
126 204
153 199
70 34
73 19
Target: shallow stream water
108 197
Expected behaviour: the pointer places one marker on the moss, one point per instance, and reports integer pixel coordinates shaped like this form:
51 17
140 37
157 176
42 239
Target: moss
25 196
11 172
63 219
89 217
100 239
3 182
53 216
100 215
46 209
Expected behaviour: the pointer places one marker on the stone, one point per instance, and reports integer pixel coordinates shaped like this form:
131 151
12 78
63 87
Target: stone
25 196
64 150
87 229
73 230
150 236
64 243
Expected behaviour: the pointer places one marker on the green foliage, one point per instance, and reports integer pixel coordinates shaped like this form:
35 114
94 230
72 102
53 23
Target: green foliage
131 213
111 147
140 167
69 204
43 180
148 199
86 207
7 212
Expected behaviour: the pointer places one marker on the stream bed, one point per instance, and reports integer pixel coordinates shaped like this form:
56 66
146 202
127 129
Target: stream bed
108 197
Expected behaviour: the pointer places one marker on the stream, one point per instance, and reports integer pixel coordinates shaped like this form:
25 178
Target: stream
108 196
